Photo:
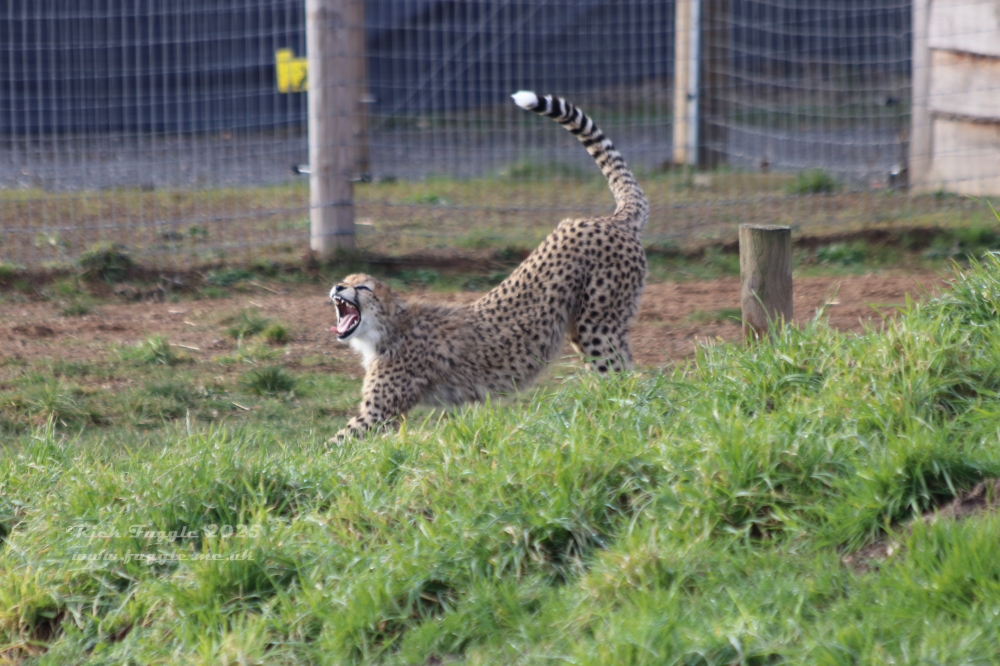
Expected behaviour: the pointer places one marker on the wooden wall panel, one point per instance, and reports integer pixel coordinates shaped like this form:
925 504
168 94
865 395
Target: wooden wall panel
965 25
966 157
965 85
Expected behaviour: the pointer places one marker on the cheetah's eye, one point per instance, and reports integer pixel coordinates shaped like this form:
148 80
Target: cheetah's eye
362 286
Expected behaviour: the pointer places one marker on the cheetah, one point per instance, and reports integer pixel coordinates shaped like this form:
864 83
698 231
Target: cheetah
585 279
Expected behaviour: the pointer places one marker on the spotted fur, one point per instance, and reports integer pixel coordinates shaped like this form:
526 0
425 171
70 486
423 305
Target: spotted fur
584 280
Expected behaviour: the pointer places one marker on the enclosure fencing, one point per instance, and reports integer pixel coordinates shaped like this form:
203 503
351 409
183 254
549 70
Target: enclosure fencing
180 129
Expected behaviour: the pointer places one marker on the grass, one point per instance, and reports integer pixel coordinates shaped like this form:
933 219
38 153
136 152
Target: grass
813 181
109 261
276 334
269 380
843 254
75 308
733 314
699 516
514 208
154 350
229 276
247 324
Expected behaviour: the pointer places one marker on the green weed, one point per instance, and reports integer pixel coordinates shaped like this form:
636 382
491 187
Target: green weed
420 277
484 282
212 291
427 198
109 261
60 367
76 308
842 254
511 254
269 380
247 324
534 170
276 334
154 350
197 232
722 263
250 353
813 181
731 314
227 277
56 401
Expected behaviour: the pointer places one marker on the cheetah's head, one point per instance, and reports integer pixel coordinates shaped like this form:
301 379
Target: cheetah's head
365 307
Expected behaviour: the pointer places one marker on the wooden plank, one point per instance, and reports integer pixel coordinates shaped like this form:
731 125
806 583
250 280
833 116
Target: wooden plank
972 26
966 85
966 157
920 120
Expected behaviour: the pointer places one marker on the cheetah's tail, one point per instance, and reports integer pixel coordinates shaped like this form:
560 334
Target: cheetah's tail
633 209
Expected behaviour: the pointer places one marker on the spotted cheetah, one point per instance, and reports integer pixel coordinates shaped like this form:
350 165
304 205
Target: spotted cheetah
585 279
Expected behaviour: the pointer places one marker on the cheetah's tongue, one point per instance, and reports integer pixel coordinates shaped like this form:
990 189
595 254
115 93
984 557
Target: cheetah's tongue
348 318
346 322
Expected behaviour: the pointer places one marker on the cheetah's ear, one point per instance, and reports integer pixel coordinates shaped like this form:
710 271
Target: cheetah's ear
400 305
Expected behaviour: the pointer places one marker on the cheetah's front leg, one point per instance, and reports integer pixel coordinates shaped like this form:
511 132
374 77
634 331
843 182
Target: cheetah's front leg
384 400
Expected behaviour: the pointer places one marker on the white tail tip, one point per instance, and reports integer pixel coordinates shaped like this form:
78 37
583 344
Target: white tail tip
525 99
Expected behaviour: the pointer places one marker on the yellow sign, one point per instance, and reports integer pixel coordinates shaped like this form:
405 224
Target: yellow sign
293 73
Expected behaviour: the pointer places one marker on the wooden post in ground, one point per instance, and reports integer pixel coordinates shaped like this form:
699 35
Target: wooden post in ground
765 277
920 117
702 51
714 83
337 90
687 29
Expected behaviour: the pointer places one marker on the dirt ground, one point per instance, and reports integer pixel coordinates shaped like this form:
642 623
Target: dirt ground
675 316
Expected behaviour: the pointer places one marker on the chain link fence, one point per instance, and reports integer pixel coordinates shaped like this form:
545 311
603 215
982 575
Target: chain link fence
177 128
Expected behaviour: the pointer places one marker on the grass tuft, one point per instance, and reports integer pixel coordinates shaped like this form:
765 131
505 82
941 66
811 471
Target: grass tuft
813 181
269 380
247 324
75 308
730 314
227 277
109 261
841 254
276 334
154 350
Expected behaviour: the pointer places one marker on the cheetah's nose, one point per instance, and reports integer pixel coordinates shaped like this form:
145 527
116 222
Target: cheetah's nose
339 288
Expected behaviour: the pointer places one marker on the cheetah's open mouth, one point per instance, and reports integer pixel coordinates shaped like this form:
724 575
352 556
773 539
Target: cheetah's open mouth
348 317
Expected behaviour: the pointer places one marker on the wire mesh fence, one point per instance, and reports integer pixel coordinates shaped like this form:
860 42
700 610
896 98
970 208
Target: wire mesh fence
174 128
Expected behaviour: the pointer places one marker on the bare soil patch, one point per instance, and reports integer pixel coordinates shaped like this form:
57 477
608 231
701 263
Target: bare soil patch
674 318
982 498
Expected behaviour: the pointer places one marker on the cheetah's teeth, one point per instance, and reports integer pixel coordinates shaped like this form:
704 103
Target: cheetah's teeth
348 317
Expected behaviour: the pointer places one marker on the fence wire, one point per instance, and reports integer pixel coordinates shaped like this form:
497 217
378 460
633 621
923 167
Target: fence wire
175 128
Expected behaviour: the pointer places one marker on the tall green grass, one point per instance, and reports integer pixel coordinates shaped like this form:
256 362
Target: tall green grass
699 517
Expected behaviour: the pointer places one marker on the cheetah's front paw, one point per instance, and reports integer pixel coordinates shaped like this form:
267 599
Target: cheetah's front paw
342 436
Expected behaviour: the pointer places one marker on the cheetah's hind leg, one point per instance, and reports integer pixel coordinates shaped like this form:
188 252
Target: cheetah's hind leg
603 342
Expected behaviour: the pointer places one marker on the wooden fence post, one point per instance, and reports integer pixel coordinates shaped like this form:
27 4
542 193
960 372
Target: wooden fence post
920 116
336 109
714 83
687 28
702 50
765 277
